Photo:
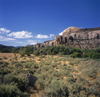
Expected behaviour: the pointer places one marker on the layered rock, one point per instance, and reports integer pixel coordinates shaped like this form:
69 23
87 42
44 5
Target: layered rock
75 37
44 44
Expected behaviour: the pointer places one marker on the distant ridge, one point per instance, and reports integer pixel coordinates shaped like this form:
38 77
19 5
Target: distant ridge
4 46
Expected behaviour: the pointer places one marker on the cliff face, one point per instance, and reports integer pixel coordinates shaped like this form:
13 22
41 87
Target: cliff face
44 44
75 37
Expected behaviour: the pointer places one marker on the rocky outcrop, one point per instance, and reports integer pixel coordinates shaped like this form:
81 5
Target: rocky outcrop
63 39
75 37
44 44
70 30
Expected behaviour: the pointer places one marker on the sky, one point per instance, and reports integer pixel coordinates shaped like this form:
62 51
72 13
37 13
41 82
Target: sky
24 22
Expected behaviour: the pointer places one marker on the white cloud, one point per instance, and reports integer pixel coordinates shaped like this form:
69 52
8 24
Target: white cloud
31 42
44 36
51 35
60 33
3 30
2 38
20 34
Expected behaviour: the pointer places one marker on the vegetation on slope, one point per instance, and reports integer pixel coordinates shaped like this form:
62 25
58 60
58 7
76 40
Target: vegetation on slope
56 50
58 76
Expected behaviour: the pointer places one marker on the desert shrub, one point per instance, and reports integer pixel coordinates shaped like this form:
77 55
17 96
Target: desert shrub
18 64
22 53
71 63
92 90
92 72
49 52
4 57
70 79
23 71
96 82
56 73
35 66
20 82
76 55
27 65
0 58
11 68
75 88
13 62
42 56
40 83
83 81
96 56
26 50
3 64
53 64
22 62
72 50
7 79
92 55
32 71
64 72
15 57
36 53
11 91
56 88
18 70
70 75
61 50
4 71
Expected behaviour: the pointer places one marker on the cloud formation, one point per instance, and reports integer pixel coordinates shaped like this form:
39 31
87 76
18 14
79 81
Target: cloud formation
20 34
44 36
3 30
60 33
3 38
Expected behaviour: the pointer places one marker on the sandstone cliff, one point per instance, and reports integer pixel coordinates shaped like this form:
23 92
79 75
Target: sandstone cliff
75 37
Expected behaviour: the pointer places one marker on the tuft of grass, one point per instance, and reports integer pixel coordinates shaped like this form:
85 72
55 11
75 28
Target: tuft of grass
4 57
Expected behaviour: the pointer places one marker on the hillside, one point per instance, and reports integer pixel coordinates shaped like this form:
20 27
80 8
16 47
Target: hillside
3 46
57 76
6 49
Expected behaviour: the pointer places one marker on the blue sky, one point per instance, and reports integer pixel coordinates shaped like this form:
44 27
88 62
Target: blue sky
25 22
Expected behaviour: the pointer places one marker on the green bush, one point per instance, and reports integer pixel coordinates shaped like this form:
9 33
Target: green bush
18 64
21 82
76 55
11 91
96 56
3 64
92 55
56 88
36 53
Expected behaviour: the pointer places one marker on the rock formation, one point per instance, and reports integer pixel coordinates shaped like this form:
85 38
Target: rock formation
44 44
70 30
75 37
